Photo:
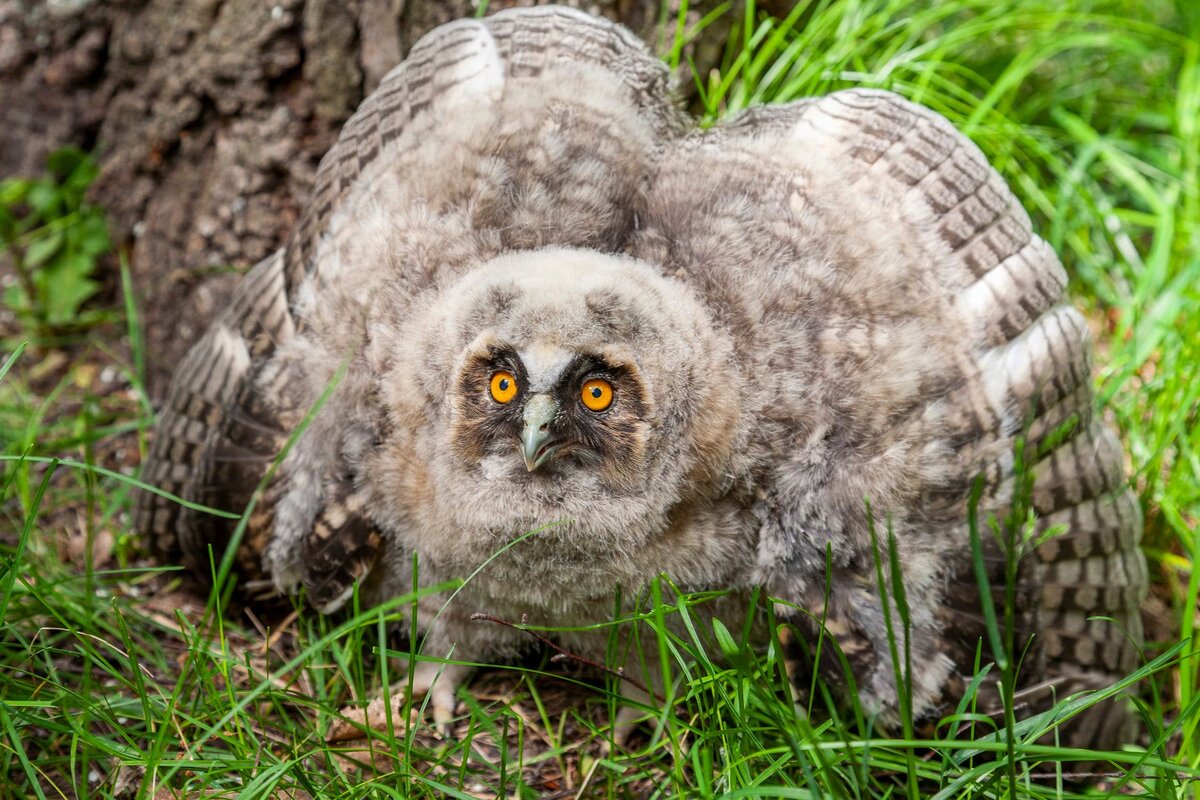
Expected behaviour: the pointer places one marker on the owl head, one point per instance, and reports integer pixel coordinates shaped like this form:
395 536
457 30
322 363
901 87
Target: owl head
568 387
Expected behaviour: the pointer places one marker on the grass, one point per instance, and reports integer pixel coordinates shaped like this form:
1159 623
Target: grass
116 683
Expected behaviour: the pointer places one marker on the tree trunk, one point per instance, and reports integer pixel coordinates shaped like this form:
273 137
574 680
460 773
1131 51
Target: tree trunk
208 118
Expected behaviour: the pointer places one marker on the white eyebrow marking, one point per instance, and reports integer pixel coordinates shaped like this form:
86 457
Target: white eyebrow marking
545 364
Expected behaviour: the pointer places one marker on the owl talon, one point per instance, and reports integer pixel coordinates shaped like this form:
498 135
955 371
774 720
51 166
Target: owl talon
443 715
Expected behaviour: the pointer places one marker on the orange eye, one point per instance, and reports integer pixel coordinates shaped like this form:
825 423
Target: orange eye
597 394
503 386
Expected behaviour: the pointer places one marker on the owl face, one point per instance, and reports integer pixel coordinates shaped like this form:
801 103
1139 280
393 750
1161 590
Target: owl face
552 410
556 388
580 389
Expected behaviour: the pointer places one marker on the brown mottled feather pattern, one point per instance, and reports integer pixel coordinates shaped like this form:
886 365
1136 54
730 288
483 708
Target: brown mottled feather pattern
341 547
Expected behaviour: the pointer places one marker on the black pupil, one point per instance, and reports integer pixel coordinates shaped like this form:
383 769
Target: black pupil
596 392
504 384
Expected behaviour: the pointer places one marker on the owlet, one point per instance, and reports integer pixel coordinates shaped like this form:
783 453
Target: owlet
551 326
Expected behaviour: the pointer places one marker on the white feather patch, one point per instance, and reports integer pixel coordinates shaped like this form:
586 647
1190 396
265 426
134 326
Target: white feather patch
545 365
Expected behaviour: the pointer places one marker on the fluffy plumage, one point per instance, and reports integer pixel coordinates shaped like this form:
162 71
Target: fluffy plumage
806 307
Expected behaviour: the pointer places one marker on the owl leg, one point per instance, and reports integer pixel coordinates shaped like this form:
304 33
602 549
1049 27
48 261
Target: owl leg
641 692
439 681
850 641
631 713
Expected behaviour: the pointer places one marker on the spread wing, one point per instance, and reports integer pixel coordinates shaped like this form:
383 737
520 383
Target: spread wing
533 127
899 327
215 436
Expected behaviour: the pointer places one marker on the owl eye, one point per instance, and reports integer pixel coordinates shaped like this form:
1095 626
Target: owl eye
503 386
597 394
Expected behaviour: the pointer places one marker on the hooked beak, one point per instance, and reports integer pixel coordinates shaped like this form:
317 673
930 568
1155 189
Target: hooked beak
537 447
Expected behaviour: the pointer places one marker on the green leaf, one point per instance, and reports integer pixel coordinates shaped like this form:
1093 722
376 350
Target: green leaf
8 227
65 287
67 236
725 640
91 235
13 191
62 163
15 299
43 249
45 200
82 177
63 304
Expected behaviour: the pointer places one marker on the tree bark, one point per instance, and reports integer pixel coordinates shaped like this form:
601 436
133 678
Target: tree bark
208 118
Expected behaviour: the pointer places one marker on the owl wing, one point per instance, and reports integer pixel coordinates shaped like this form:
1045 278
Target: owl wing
899 328
529 128
491 62
214 439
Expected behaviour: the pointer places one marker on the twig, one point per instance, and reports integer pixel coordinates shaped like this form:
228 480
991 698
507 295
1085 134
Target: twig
1083 776
565 655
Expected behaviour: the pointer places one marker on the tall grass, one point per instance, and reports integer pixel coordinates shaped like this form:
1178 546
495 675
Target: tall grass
114 684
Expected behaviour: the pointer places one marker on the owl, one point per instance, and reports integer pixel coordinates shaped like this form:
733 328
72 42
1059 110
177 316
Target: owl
536 329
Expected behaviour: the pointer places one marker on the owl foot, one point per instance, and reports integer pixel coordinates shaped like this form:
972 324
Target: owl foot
436 680
439 681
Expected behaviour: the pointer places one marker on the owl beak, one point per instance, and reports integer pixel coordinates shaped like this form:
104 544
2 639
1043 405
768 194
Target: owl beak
537 446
